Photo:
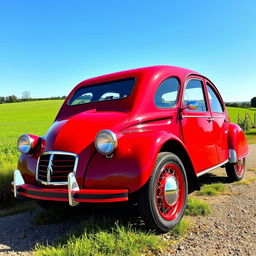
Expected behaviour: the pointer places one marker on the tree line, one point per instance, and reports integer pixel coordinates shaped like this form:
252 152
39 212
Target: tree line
247 104
26 97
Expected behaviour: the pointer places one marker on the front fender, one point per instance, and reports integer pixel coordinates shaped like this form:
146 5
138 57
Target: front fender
237 141
132 162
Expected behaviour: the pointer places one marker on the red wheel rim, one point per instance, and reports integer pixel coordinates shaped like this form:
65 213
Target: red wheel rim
170 211
239 166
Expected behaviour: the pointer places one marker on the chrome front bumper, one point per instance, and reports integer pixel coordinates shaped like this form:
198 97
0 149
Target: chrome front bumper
73 194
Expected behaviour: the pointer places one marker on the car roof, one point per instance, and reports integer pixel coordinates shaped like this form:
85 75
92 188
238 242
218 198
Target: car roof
159 70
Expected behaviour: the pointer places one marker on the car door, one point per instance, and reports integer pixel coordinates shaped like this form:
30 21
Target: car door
197 126
220 122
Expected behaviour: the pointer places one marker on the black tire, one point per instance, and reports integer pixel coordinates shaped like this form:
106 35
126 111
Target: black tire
153 207
236 171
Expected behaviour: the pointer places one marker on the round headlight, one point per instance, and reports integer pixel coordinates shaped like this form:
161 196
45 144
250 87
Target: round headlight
105 142
25 144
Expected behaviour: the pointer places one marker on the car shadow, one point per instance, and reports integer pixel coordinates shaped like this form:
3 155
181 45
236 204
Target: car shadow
22 232
211 178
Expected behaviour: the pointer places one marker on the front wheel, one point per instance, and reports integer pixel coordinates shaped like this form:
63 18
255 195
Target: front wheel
163 199
236 171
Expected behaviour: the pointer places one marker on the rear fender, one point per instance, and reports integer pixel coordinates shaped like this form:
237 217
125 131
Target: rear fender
238 147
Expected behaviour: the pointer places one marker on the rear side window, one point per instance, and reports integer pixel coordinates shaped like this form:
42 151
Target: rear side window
194 92
167 93
216 106
103 92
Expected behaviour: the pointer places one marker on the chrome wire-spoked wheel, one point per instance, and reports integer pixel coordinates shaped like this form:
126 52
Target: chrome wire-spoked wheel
170 191
236 171
163 199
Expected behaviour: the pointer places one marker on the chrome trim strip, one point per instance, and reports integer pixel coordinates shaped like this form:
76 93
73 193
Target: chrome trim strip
17 182
210 169
195 116
59 153
72 189
232 156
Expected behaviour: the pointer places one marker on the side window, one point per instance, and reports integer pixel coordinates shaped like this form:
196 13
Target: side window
194 92
167 93
216 106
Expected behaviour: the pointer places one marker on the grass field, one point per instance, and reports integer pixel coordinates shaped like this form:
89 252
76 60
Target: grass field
16 119
35 117
233 113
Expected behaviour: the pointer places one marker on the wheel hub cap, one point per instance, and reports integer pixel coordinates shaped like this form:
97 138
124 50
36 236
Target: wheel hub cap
171 191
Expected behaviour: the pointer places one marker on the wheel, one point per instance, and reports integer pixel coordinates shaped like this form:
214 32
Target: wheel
163 199
236 171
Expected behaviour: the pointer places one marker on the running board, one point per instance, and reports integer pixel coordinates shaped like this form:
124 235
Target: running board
212 168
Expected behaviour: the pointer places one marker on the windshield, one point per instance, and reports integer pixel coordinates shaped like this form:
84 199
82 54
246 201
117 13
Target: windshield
103 92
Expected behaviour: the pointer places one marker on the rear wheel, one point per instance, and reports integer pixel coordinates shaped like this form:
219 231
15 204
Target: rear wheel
162 201
236 171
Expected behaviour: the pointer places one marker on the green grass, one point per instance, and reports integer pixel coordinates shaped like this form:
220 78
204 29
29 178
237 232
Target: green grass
251 136
245 181
211 189
182 228
233 113
101 237
196 207
33 117
105 237
252 169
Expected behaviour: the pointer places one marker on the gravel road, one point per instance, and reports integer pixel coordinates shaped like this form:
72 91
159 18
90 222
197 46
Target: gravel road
229 230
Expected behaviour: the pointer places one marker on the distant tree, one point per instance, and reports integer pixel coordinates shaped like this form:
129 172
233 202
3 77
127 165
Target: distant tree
234 104
245 105
25 95
253 102
2 99
12 98
7 99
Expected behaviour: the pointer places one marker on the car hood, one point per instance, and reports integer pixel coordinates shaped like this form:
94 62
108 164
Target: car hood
77 132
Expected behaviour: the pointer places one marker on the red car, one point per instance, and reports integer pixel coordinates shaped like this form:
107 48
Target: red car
145 134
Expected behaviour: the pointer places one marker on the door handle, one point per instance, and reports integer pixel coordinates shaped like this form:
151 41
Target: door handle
210 119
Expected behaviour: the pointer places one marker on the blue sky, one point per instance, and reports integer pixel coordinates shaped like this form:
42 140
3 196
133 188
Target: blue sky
47 47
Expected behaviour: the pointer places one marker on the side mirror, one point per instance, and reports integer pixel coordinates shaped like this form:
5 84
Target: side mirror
192 105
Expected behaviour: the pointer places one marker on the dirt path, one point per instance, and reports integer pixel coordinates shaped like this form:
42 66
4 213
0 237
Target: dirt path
229 230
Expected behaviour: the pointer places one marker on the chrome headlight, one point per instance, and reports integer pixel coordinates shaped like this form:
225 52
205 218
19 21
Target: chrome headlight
105 142
25 144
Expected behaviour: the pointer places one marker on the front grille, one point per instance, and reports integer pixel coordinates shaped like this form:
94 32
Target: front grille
54 167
